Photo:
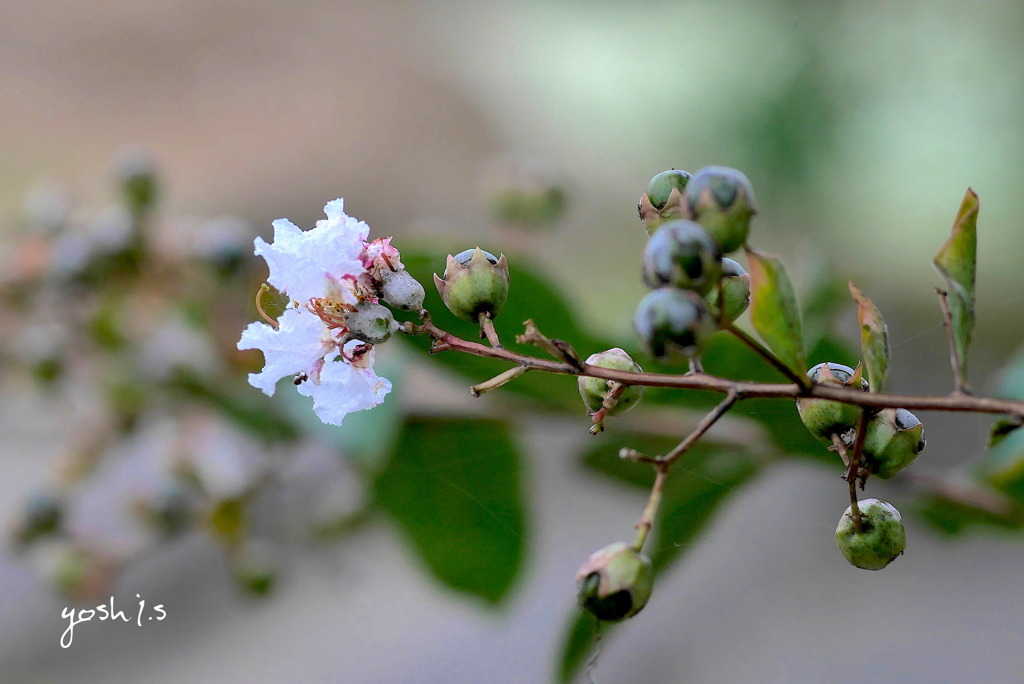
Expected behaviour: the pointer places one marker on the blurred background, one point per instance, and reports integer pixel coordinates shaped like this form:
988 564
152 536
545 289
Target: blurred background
137 461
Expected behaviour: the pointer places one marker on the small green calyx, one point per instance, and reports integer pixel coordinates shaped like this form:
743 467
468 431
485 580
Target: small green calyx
881 538
735 285
894 439
824 418
681 254
594 390
475 283
615 582
722 200
671 320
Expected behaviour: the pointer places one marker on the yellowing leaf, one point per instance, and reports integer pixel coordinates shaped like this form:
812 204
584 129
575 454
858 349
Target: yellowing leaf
874 340
957 262
774 310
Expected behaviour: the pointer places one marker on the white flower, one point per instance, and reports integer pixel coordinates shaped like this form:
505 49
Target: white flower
324 272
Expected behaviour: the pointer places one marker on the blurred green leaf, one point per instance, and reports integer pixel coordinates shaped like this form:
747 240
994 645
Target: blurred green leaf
874 340
531 296
952 517
695 490
957 262
774 311
580 640
453 487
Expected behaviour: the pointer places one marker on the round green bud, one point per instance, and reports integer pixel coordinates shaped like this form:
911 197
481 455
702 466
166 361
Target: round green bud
401 290
522 192
668 319
661 186
893 440
880 540
824 418
681 254
615 582
735 286
370 322
593 390
722 200
475 283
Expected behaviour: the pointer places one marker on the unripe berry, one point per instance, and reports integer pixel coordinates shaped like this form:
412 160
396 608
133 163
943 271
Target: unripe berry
736 286
593 390
663 199
370 322
681 254
615 582
475 282
824 418
880 540
668 320
722 200
893 440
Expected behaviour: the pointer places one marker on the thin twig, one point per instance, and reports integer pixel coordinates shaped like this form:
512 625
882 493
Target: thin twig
960 383
771 358
487 330
840 447
611 399
498 380
643 526
746 390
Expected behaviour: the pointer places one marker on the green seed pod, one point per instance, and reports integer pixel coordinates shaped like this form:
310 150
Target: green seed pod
681 254
370 322
822 417
615 582
893 440
736 286
668 320
475 282
593 390
41 517
880 540
663 199
401 290
722 200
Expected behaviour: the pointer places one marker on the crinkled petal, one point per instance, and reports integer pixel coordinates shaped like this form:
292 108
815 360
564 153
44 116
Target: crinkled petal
294 347
343 390
300 260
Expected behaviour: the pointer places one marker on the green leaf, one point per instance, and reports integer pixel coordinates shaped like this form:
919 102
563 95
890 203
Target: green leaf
700 483
774 310
530 296
580 640
874 340
453 487
957 262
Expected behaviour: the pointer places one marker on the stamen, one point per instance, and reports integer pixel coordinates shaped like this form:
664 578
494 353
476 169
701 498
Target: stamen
264 288
387 261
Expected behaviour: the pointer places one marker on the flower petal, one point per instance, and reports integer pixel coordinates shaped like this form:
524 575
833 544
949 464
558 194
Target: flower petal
343 390
294 347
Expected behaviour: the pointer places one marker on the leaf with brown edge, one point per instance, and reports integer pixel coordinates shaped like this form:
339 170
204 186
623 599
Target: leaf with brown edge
957 262
774 310
874 340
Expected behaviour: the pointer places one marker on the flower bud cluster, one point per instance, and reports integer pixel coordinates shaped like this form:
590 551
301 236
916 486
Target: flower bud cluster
692 221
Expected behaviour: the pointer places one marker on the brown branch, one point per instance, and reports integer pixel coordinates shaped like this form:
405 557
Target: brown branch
771 358
745 390
611 399
960 383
